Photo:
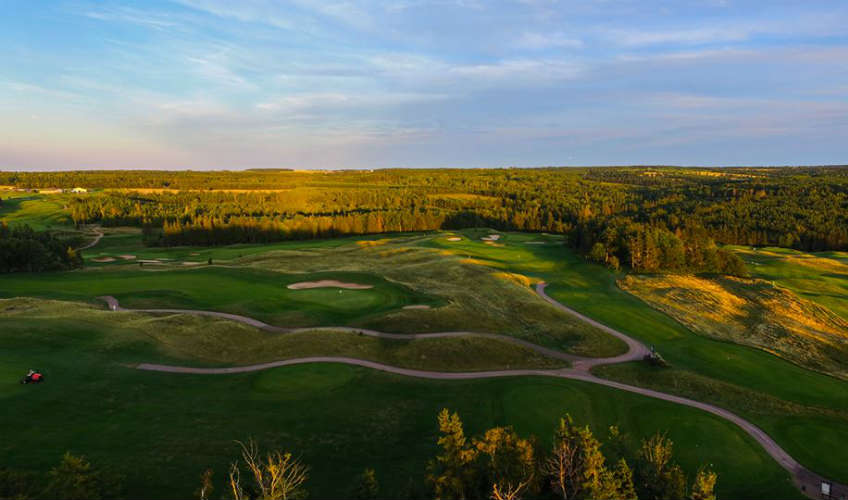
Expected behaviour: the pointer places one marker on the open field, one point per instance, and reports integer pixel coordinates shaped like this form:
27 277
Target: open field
173 427
751 312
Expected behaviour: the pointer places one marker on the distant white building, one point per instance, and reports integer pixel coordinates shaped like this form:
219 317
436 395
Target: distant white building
79 190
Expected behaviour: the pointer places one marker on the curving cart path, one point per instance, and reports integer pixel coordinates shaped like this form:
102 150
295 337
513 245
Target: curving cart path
806 480
98 234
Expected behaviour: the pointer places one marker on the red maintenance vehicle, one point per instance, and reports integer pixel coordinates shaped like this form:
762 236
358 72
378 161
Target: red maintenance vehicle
33 377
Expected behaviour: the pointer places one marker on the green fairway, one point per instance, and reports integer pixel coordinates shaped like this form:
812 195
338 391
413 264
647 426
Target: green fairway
802 430
260 294
339 419
127 241
39 211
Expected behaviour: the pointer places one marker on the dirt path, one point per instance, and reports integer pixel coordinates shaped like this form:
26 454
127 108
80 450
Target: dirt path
806 480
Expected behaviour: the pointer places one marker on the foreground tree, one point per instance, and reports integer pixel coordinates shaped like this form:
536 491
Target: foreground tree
279 476
367 486
703 487
452 474
206 488
659 477
507 461
76 479
577 468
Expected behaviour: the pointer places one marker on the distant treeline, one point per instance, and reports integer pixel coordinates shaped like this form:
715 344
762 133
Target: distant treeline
25 250
645 218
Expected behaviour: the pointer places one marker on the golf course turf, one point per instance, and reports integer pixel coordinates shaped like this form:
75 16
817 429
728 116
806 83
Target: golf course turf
176 426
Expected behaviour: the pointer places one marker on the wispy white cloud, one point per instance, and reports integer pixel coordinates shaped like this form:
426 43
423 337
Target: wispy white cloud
708 34
147 19
535 41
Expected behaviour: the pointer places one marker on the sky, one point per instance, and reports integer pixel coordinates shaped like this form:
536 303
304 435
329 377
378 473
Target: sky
313 84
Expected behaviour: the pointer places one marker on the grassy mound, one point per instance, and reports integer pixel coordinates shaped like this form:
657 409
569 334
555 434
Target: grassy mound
821 277
751 312
203 341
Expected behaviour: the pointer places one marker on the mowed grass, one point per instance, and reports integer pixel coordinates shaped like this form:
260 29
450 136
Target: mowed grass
338 419
744 371
802 430
39 211
821 277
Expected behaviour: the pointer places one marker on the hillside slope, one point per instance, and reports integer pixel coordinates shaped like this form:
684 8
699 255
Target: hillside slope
751 312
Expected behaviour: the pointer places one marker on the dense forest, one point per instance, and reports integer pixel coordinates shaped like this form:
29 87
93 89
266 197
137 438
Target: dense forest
25 250
645 218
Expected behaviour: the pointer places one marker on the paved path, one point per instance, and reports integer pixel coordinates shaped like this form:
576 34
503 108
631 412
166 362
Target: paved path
97 235
806 480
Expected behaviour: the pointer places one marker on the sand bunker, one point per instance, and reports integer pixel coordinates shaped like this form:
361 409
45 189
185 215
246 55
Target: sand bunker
491 237
127 257
104 259
327 284
417 306
194 253
148 261
189 263
455 239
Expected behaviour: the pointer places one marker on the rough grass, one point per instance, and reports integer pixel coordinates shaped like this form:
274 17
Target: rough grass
821 277
751 312
205 341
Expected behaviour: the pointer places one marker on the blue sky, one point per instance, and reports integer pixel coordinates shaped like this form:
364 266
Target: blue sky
421 83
